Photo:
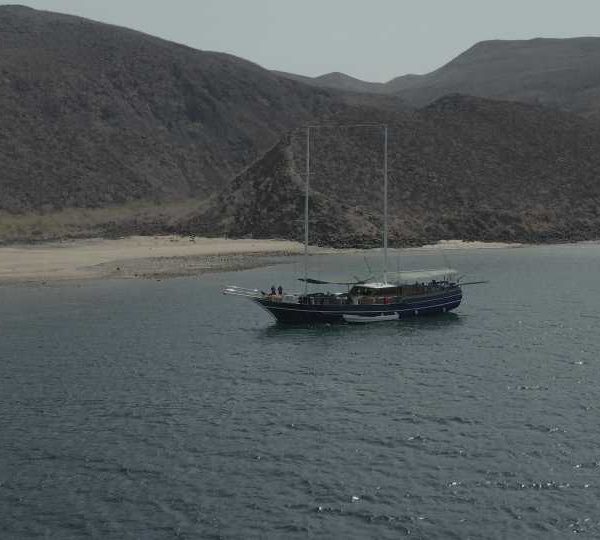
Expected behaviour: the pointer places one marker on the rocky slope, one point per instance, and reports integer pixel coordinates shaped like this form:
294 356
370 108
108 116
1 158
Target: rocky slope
94 115
98 117
340 81
560 73
462 167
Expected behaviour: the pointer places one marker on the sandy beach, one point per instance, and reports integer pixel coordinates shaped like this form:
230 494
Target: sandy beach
465 244
158 257
135 257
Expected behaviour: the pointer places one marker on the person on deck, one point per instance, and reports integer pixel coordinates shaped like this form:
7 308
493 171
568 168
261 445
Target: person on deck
280 290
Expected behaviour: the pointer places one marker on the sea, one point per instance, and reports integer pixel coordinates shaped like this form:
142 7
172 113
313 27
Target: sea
163 409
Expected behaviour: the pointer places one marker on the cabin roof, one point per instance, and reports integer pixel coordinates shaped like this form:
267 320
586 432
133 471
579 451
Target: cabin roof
413 276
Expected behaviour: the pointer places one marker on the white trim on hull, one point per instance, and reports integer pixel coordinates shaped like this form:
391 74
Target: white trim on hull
401 308
369 319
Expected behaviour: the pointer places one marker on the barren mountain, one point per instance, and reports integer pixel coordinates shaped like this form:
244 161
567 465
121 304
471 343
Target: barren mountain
93 115
339 81
560 73
462 167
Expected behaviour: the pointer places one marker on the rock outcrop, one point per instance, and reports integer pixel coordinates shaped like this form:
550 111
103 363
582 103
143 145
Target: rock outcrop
462 167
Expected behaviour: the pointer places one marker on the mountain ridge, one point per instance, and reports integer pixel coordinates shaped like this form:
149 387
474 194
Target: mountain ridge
556 72
463 167
93 114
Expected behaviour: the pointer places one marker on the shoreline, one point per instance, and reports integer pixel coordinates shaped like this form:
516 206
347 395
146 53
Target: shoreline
142 257
163 257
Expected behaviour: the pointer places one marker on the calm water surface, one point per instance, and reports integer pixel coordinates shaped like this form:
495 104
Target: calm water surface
146 409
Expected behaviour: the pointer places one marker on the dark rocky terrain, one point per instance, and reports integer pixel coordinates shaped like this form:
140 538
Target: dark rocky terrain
108 131
94 115
340 81
462 167
560 73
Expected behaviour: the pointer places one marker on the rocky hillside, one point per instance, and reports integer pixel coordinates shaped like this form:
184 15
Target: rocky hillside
340 81
560 73
98 117
94 115
462 167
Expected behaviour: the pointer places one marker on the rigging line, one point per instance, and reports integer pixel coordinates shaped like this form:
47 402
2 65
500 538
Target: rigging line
446 259
397 246
368 265
385 202
306 209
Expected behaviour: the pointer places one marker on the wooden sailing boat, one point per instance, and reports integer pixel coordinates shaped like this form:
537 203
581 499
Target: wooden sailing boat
406 294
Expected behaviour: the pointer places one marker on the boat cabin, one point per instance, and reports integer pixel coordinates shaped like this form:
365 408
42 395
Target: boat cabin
403 284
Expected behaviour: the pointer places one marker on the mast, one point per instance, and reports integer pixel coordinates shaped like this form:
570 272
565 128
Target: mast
306 209
385 202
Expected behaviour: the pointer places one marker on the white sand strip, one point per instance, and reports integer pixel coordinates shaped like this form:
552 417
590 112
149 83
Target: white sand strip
83 259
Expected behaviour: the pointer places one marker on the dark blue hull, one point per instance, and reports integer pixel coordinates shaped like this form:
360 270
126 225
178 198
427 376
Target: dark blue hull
430 304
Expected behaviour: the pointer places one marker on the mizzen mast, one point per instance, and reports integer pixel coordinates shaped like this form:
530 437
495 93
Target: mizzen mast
385 194
385 202
306 189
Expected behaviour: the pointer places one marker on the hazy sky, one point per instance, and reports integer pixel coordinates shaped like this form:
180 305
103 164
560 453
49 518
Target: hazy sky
370 39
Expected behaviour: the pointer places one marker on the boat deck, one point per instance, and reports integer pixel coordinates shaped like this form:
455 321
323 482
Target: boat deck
343 308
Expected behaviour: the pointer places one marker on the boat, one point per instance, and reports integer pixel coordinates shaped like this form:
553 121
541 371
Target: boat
397 296
408 294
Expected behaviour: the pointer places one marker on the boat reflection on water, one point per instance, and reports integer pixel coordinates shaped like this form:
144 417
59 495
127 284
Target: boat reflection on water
432 323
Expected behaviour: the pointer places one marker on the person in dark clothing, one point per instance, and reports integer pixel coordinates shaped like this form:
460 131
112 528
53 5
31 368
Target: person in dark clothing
280 290
273 291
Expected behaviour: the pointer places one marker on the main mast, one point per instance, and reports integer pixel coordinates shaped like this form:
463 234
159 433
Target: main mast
306 209
385 197
385 202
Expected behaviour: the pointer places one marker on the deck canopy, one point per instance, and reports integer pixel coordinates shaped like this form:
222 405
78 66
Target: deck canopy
397 278
415 276
422 276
